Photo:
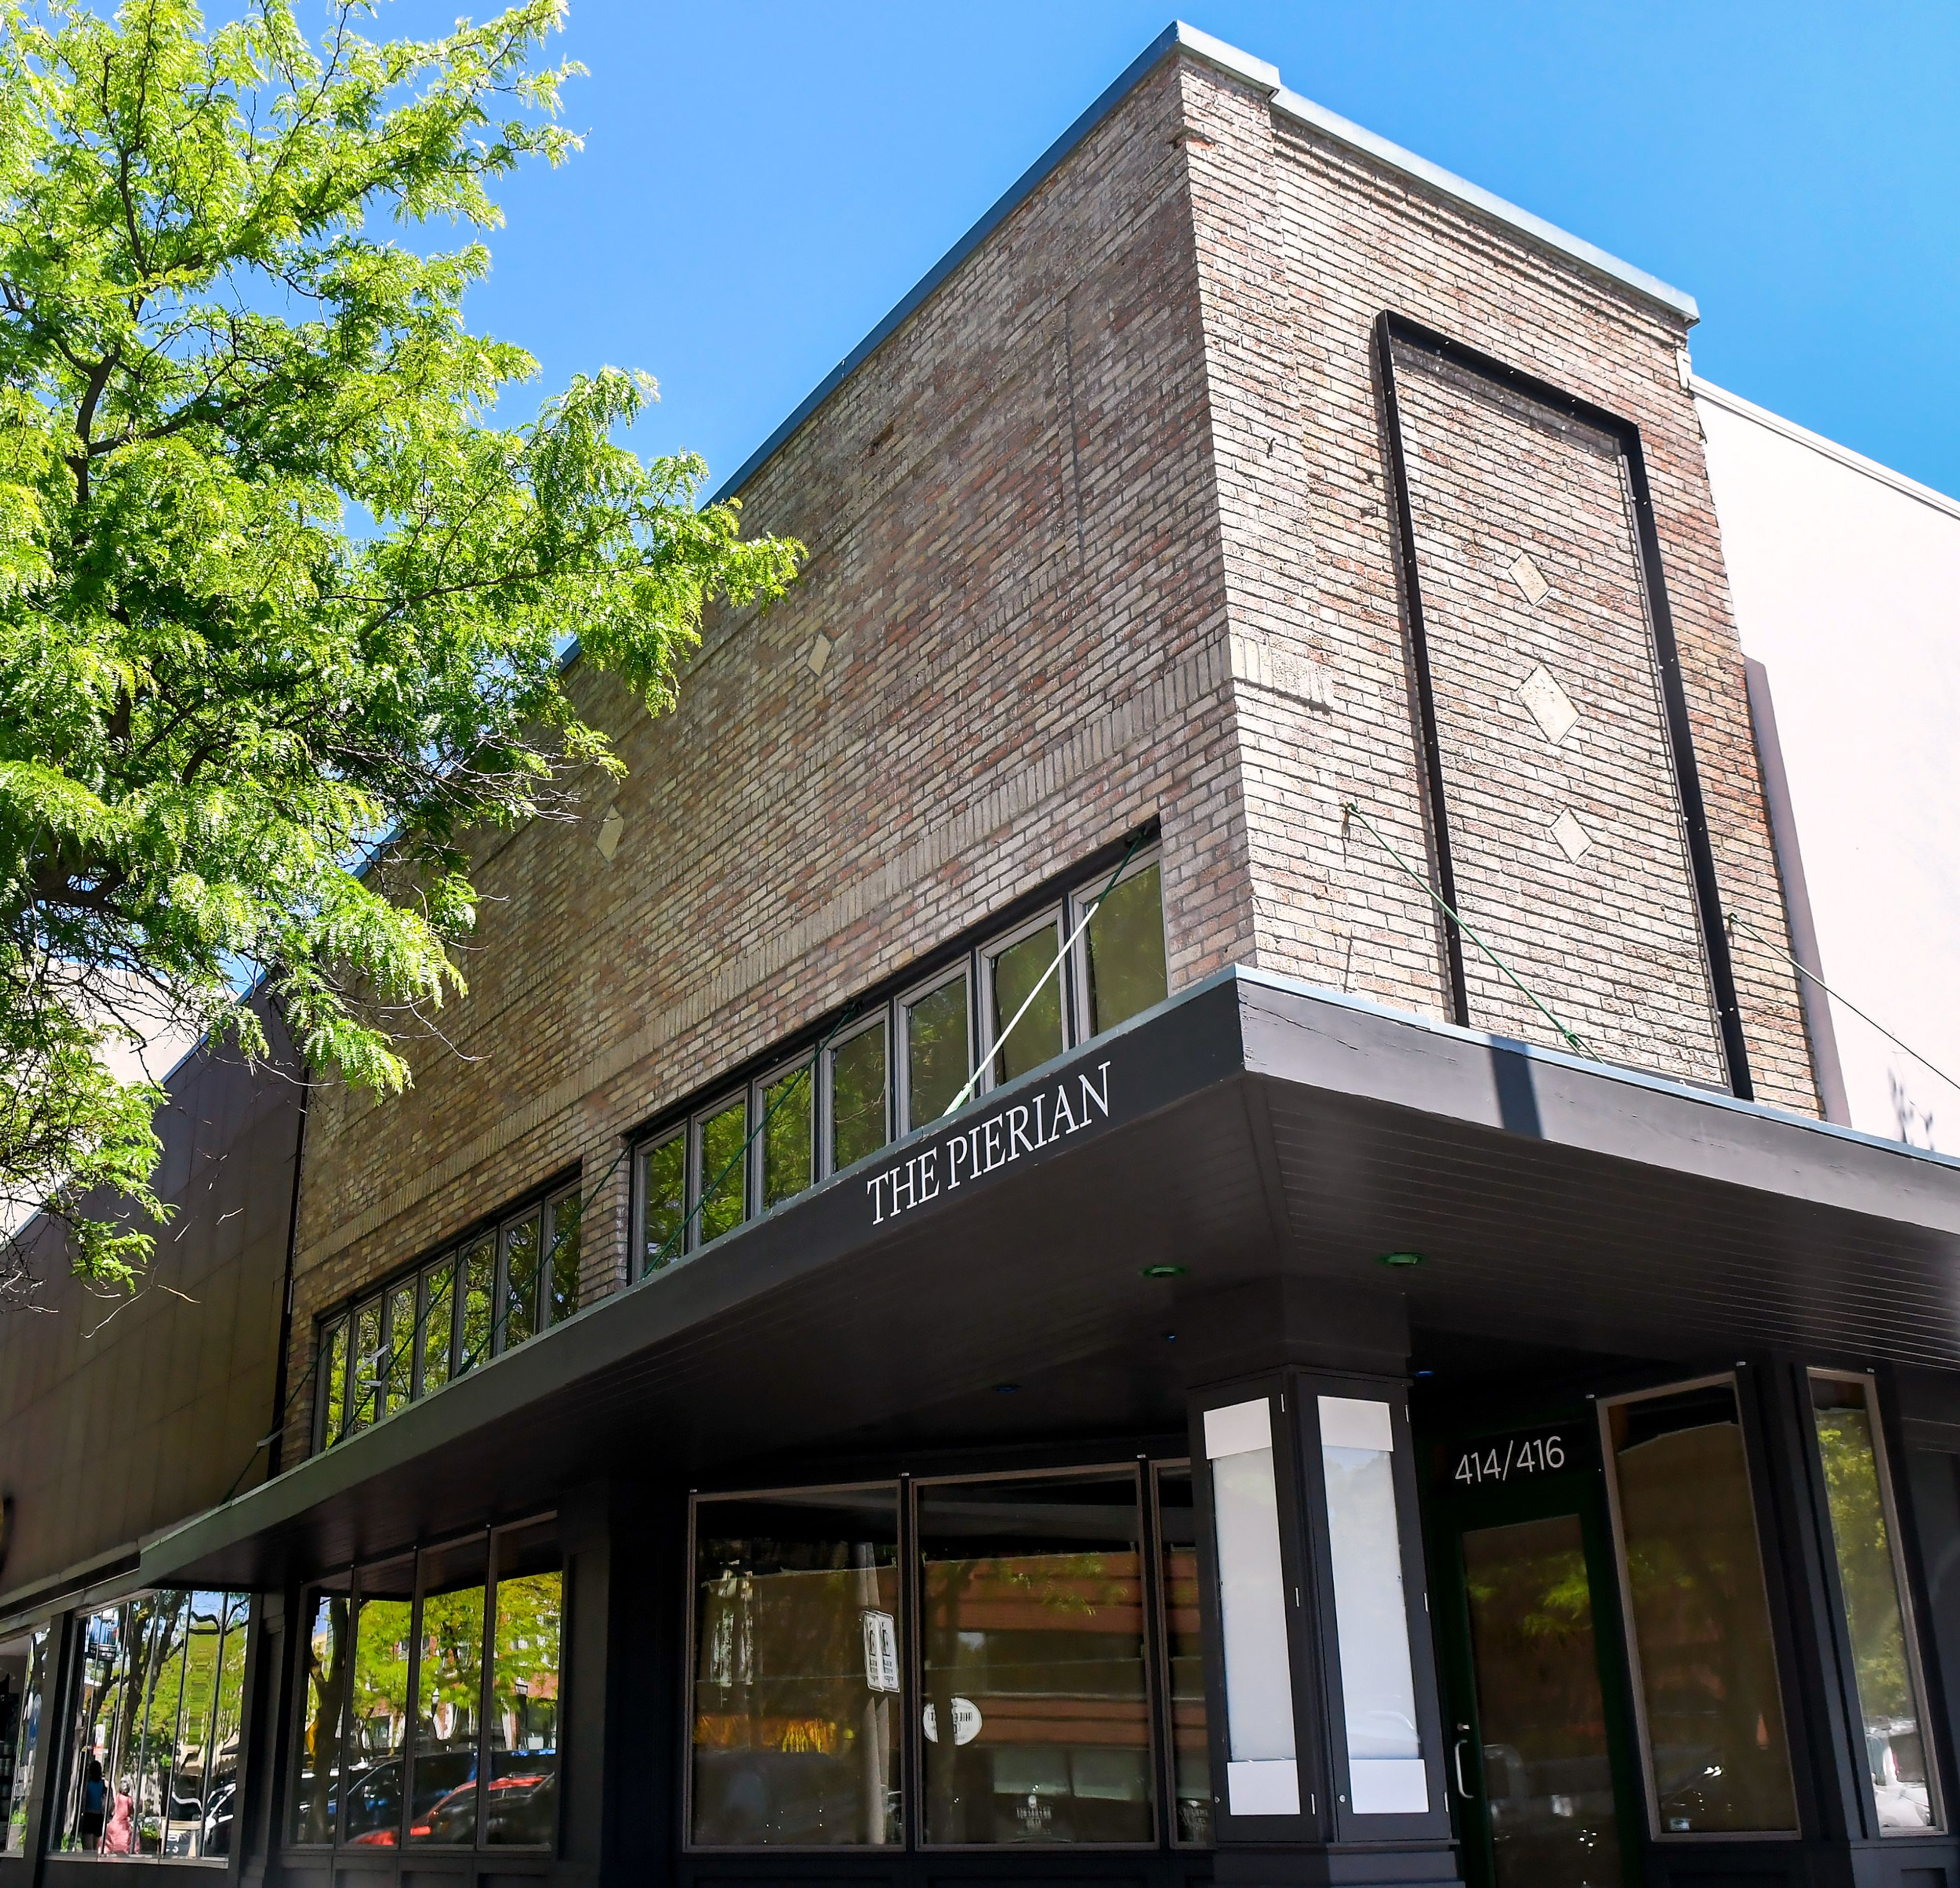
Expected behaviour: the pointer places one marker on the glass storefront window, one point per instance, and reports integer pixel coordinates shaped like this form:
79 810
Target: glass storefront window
1035 1716
1891 1691
1123 950
662 1203
374 1742
1386 1773
449 1695
1711 1711
785 1106
1191 1757
858 1126
522 1807
796 1666
148 1773
326 1618
722 1179
1023 969
936 1049
27 1737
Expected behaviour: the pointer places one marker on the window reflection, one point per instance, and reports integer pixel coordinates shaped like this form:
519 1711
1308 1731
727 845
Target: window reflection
27 1737
333 1383
565 1215
152 1768
375 1742
364 1366
401 1362
520 1280
1035 1717
1191 1757
786 1144
936 1050
1699 1614
796 1671
1889 1692
1023 970
328 1621
476 1278
1124 951
858 1079
521 1809
449 1695
724 1191
1548 1773
663 1202
438 1324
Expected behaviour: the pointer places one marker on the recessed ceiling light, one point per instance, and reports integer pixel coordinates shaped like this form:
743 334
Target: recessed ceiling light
1164 1272
1005 1389
1400 1258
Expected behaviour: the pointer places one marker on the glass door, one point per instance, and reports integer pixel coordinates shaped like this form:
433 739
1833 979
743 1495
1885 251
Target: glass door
1538 1754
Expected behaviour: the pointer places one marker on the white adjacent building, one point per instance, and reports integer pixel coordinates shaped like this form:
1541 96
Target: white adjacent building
1846 576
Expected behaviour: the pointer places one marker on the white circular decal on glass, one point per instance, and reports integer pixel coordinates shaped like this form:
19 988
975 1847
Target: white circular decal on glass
965 1721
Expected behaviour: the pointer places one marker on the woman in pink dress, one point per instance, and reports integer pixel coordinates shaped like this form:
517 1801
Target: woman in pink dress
119 1839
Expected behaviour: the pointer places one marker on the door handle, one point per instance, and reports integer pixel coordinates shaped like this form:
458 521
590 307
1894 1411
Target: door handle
1456 1756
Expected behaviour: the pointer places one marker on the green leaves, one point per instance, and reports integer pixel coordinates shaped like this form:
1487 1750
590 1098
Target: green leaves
273 584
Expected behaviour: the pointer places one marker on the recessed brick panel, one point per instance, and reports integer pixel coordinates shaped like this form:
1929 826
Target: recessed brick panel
1610 940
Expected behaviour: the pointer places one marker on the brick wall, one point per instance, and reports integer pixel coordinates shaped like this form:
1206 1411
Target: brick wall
1301 244
1012 525
1099 534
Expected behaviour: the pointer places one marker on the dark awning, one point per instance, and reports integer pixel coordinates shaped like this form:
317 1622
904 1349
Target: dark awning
1249 1127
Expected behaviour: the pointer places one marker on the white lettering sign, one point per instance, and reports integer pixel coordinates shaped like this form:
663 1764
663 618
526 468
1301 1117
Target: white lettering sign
1074 1103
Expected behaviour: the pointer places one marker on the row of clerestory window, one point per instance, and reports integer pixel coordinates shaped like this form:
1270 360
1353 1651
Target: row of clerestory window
903 1062
405 1341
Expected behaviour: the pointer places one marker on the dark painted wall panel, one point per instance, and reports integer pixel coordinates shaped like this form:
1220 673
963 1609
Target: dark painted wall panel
122 1413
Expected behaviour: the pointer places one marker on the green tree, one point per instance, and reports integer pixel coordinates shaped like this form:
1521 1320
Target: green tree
274 587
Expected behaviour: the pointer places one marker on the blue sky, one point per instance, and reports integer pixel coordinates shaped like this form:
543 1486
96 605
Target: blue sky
760 183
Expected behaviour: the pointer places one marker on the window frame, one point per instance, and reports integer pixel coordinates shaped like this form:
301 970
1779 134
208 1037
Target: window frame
1157 1468
757 1200
1076 906
1629 1630
342 1321
1055 918
1841 1619
899 1076
450 1263
548 1218
880 1019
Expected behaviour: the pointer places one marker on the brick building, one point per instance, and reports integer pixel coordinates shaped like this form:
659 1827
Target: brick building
1279 1307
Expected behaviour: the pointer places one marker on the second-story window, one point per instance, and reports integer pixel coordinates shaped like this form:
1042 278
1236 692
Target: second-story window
417 1334
899 1066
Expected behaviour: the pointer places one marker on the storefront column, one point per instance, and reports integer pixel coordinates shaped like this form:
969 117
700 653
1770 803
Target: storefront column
1328 1753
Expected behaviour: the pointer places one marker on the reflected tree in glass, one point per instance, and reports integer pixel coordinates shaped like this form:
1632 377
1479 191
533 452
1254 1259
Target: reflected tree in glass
857 1091
316 1794
1868 1575
565 1218
449 1699
724 1191
936 1050
787 1143
476 1279
523 1810
664 1203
